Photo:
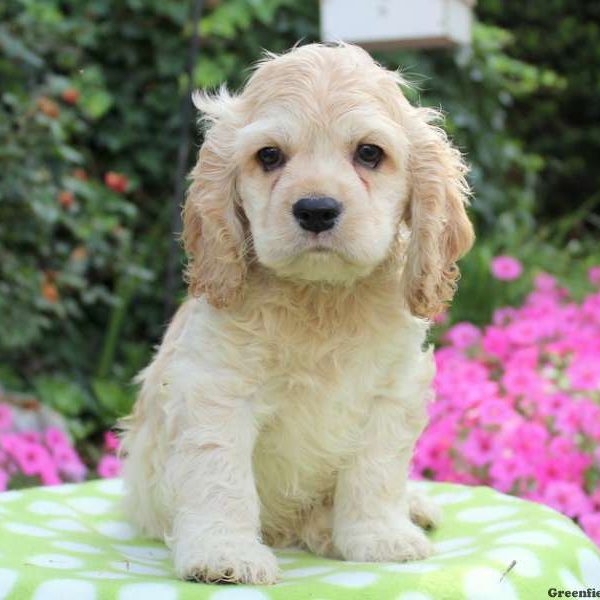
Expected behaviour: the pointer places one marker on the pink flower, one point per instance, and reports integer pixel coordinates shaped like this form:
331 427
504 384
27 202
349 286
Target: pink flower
544 282
56 437
591 525
594 275
68 463
5 417
506 268
480 447
567 498
109 466
32 458
463 335
111 441
584 373
3 480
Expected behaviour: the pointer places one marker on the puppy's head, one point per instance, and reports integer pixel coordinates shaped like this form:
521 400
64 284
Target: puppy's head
313 170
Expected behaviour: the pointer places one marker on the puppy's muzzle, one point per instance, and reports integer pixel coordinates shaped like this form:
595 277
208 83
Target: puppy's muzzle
317 214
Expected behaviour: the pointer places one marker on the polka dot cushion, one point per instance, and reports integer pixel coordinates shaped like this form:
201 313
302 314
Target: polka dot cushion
72 542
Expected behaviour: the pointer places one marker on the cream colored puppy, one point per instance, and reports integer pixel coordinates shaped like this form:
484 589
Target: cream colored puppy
322 227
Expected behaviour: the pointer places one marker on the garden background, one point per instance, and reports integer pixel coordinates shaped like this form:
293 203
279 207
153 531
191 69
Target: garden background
92 101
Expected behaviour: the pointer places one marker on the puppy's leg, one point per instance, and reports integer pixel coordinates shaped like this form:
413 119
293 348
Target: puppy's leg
216 524
372 520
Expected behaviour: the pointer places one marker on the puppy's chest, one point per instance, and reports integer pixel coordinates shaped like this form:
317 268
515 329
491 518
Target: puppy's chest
316 398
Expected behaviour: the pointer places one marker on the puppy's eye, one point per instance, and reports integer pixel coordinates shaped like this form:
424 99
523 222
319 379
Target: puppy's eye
270 157
368 155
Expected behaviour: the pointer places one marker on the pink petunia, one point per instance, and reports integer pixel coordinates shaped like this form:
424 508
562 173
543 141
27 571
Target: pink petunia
5 417
506 268
594 275
109 466
584 373
463 335
590 523
56 437
544 282
111 441
566 497
32 458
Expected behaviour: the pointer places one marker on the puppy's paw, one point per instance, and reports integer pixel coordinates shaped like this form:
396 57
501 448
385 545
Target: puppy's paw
397 542
423 511
228 560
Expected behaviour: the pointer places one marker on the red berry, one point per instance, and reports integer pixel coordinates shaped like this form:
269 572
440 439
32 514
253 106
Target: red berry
71 95
116 182
66 199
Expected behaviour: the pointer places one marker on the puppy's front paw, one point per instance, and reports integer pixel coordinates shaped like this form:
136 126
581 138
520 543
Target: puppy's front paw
423 511
397 542
226 561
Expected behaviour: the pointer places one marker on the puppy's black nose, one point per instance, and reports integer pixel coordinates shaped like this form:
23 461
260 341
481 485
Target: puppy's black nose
316 214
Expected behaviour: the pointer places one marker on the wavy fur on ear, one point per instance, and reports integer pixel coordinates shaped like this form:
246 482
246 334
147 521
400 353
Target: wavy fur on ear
213 235
440 229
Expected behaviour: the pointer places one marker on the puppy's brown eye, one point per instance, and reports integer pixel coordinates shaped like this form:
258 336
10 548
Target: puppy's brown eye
270 157
368 155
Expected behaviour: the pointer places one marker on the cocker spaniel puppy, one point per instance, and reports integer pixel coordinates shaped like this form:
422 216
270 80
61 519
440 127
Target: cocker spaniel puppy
322 226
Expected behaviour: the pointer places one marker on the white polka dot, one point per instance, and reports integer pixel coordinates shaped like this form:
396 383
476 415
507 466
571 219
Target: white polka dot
7 582
138 569
60 589
566 526
55 561
119 530
90 505
527 563
10 496
413 596
589 565
504 525
66 525
453 544
569 580
143 552
65 488
46 507
453 497
148 591
482 514
483 583
508 498
305 572
102 575
534 538
26 529
351 579
238 594
111 486
457 553
412 567
77 547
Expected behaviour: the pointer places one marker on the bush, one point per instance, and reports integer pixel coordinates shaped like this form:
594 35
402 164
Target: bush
518 403
90 123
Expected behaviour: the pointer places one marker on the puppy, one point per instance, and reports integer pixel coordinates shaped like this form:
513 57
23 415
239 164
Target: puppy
322 225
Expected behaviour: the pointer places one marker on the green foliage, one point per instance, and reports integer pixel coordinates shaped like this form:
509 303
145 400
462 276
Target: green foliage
89 133
476 86
92 88
560 124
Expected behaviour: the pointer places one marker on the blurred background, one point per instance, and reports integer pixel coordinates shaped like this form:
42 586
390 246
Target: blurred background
96 134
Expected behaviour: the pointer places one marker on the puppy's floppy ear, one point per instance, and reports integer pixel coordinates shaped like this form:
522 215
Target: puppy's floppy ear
440 228
213 233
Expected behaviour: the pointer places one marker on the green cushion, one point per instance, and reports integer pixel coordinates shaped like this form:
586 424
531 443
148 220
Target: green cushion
72 542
